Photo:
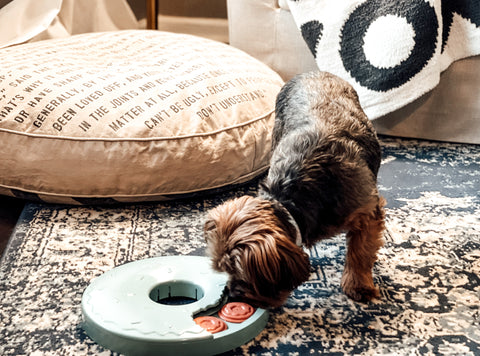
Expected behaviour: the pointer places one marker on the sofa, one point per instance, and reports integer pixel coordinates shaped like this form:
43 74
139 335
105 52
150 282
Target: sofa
267 30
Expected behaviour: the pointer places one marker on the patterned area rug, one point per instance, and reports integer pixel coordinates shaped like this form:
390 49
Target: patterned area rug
428 271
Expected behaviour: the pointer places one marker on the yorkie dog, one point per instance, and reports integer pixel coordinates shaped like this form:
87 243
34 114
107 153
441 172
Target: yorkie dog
322 181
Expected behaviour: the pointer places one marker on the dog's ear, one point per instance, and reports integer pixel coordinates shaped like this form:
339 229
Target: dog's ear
219 232
274 265
216 248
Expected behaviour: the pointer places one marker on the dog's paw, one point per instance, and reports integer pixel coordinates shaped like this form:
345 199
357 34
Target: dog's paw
362 293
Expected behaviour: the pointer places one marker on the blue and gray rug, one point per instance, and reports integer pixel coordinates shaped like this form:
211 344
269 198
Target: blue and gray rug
428 271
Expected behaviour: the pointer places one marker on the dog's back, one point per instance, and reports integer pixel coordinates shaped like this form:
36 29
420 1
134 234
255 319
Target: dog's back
313 106
325 152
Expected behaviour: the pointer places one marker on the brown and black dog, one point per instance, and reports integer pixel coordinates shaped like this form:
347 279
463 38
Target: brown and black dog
322 181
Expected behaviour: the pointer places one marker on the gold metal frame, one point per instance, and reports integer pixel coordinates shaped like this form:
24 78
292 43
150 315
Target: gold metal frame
152 15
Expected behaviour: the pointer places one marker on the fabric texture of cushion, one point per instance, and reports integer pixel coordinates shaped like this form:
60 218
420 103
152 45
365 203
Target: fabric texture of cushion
131 116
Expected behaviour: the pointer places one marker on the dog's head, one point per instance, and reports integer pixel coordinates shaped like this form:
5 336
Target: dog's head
247 240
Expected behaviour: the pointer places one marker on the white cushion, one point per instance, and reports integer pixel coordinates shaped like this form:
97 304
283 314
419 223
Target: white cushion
131 116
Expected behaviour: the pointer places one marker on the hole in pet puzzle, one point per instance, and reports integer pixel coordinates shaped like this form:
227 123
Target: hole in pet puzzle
176 293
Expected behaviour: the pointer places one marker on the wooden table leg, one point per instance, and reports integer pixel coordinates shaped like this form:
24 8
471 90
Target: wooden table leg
152 15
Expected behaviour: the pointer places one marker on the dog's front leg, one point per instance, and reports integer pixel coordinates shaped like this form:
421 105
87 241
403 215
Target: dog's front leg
363 242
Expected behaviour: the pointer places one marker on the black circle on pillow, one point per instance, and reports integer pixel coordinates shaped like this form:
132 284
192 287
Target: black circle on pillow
312 33
422 18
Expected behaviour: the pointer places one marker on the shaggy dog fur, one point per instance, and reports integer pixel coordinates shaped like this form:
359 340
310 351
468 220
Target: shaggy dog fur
322 181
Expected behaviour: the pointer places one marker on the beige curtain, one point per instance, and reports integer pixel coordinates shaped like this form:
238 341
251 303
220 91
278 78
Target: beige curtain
33 20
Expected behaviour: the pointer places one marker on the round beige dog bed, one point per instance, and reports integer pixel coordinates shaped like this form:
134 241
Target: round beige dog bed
131 116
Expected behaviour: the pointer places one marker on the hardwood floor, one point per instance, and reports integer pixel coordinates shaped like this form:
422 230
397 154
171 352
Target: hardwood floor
10 209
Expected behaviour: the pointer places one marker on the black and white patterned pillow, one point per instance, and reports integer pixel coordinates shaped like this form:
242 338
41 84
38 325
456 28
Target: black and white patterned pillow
391 51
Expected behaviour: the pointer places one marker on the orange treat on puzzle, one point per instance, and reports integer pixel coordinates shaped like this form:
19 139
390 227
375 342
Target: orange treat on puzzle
211 324
236 312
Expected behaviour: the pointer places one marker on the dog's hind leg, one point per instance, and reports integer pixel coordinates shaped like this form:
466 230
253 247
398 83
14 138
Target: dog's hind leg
364 239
